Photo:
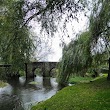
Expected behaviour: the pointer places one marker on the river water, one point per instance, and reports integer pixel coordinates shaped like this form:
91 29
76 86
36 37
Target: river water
20 94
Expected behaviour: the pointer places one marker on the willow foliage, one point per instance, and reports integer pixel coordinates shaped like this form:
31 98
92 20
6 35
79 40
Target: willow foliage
49 13
100 22
16 44
76 58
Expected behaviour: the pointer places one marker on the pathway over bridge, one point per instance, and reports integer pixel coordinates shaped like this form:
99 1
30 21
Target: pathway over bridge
46 68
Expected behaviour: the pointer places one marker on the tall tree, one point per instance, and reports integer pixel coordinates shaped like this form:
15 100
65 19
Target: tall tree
100 26
100 22
15 41
77 58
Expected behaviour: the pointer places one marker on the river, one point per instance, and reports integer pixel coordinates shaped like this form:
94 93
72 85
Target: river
21 94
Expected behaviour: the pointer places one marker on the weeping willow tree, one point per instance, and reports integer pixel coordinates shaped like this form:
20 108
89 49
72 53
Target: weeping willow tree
100 27
100 24
99 21
93 50
77 58
16 44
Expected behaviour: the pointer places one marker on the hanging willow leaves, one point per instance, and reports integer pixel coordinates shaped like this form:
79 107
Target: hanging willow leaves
16 44
100 22
76 58
50 12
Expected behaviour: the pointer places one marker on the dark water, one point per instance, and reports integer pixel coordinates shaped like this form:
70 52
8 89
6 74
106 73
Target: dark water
21 95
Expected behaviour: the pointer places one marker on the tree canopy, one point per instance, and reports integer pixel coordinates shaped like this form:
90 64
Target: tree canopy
16 44
89 49
100 22
77 57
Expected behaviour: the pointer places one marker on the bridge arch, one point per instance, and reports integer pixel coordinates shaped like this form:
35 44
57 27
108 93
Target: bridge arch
52 71
38 71
46 68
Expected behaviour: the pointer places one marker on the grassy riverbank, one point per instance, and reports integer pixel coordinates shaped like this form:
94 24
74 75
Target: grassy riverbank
79 79
2 84
84 96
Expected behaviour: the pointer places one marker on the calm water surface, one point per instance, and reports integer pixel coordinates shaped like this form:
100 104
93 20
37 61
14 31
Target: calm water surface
21 95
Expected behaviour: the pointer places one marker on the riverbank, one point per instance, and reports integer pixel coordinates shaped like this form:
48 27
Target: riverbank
79 79
94 95
2 84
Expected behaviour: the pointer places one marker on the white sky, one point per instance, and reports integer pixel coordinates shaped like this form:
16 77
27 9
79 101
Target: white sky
77 27
56 51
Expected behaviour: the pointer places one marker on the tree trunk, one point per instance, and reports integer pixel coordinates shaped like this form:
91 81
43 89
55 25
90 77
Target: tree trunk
108 78
26 69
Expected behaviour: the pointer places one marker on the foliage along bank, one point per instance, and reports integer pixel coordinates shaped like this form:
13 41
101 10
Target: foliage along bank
92 48
2 84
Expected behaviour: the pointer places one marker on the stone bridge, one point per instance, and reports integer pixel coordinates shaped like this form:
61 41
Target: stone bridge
46 68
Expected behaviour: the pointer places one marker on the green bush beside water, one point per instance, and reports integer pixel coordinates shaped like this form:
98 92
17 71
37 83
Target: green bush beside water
94 95
2 84
79 79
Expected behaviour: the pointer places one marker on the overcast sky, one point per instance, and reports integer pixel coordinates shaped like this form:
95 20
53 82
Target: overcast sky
51 50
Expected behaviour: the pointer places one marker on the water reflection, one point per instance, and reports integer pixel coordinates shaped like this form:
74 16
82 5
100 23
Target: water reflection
20 94
47 83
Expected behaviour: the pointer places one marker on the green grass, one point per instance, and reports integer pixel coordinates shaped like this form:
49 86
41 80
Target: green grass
79 79
2 84
84 96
